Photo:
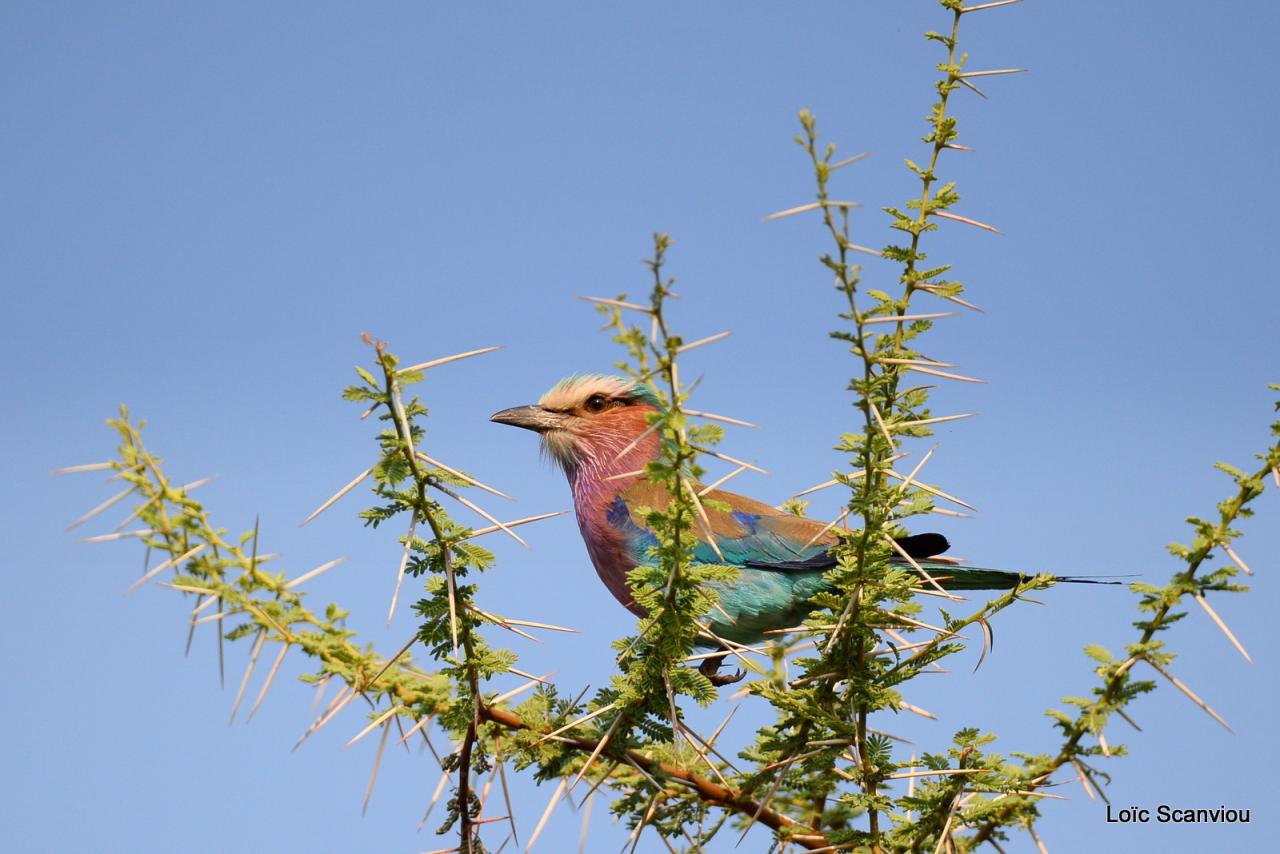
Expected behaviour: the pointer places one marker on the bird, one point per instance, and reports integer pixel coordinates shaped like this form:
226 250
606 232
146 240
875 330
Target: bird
596 428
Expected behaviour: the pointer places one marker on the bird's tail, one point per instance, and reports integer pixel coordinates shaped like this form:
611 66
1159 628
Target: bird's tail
954 577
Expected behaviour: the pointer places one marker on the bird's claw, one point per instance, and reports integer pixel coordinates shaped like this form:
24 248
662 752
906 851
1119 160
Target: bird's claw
721 679
710 668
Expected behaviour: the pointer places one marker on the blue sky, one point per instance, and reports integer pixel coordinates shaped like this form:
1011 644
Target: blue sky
203 208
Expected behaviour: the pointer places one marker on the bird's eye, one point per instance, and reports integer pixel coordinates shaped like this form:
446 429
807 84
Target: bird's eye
596 403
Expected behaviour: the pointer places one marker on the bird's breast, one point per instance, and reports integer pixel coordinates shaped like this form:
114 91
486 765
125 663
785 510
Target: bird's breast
597 479
610 554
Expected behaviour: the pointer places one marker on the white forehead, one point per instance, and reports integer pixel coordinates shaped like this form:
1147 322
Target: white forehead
572 392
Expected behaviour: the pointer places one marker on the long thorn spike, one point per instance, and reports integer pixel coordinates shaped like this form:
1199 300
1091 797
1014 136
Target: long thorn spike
307 576
546 814
404 562
726 419
849 161
377 762
600 746
967 221
1191 695
908 318
101 508
471 505
582 720
701 342
341 492
81 468
248 672
422 366
921 369
1236 559
1213 615
824 485
271 675
392 660
966 9
435 797
812 206
619 304
479 532
119 535
722 481
172 562
992 73
377 722
462 475
514 692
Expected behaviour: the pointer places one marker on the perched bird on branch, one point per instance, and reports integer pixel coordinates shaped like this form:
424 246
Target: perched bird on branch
588 422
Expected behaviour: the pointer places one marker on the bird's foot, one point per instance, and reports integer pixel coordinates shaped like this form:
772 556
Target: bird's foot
710 668
721 679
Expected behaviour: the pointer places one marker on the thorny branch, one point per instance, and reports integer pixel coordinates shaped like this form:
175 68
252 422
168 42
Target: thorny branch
461 629
1118 686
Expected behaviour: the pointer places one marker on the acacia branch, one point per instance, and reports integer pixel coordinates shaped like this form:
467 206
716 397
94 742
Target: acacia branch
706 790
463 631
1118 674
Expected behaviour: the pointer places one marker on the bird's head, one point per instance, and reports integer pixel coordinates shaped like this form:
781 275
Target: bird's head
588 419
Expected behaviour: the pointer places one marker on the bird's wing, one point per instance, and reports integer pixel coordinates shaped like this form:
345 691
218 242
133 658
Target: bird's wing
751 533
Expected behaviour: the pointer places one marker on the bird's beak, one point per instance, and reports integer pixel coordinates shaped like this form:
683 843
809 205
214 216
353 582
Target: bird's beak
533 418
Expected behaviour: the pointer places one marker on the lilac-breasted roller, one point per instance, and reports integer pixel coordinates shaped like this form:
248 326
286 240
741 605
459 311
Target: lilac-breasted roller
587 421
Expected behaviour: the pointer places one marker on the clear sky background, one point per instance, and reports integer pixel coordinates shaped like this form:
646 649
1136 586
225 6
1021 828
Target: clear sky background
202 209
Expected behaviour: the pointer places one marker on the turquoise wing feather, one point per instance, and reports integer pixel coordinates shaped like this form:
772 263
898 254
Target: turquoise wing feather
781 558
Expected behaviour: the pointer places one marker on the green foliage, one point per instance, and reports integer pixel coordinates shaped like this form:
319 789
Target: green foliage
670 587
862 626
227 578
